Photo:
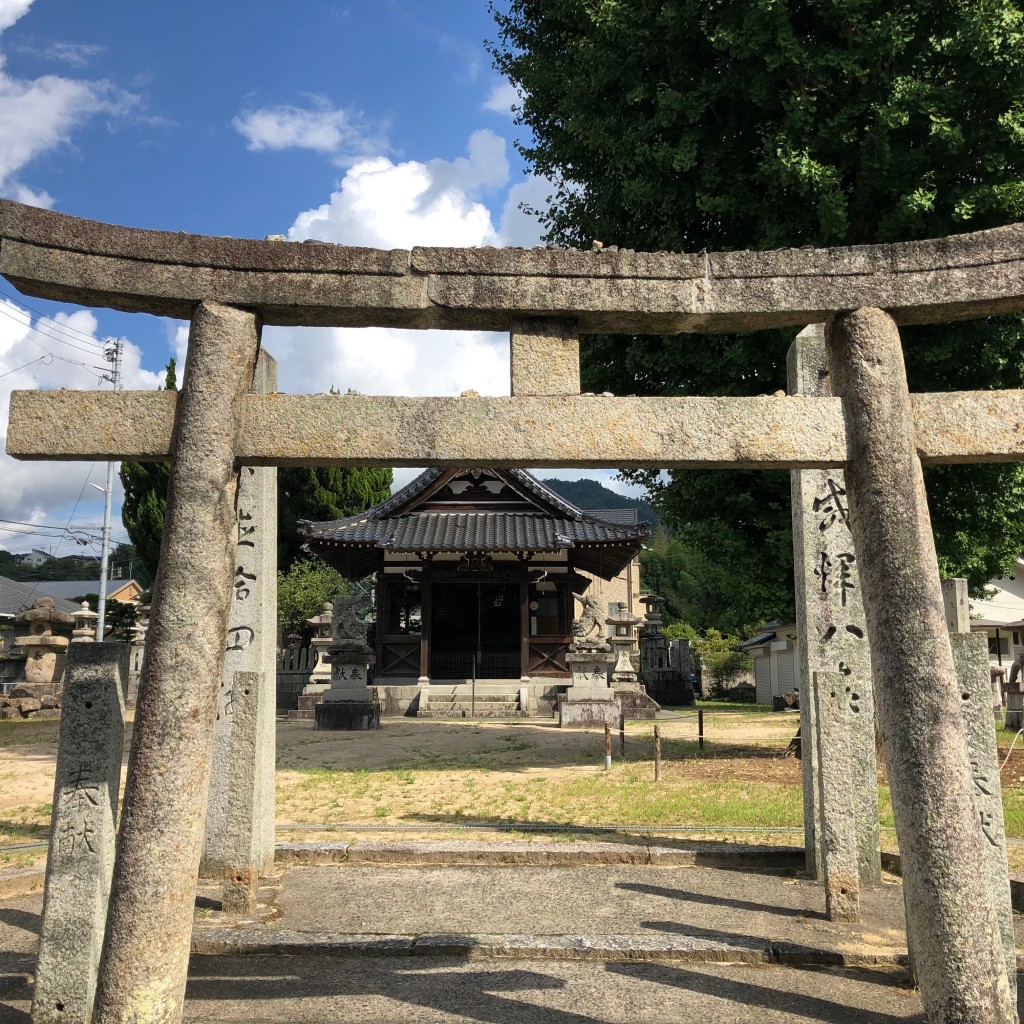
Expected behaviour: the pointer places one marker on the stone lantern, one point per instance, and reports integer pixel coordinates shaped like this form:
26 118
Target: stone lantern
46 652
622 638
349 703
85 625
320 677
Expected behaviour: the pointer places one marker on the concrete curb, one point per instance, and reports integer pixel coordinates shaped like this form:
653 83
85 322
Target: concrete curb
568 854
719 949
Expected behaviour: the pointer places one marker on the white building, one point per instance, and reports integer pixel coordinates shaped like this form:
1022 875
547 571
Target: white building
1001 618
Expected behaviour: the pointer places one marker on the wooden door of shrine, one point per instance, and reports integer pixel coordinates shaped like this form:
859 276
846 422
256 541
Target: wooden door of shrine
475 629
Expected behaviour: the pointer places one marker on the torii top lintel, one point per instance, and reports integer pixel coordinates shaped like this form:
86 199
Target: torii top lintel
54 256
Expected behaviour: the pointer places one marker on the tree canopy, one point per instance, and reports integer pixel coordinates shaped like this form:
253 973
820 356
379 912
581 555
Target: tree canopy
145 497
682 125
322 493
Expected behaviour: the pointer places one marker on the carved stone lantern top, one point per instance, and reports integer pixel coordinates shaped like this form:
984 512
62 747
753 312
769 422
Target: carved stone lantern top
622 622
43 616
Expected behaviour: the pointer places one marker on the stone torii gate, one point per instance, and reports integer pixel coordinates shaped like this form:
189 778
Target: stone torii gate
876 431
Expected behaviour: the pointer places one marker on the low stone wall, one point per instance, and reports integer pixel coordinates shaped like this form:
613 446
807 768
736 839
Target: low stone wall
22 702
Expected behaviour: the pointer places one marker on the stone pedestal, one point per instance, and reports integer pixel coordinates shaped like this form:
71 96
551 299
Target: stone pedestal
349 703
589 701
347 715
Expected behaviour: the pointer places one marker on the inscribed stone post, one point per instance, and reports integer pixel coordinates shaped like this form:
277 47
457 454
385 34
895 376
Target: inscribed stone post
240 817
832 631
82 832
970 658
837 706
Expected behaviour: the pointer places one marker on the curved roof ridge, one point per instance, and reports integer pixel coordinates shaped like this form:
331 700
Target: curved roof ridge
521 477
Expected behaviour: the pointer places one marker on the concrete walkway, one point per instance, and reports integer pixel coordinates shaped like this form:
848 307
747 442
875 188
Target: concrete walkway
389 942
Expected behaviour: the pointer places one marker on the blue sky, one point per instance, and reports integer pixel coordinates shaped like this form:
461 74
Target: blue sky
362 123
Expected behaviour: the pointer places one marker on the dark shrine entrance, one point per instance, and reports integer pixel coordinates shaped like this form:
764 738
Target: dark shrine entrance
475 630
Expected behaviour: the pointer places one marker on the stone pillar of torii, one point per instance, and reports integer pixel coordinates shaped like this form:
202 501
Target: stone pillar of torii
864 536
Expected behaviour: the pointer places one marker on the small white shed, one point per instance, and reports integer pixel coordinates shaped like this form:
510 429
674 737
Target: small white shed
776 670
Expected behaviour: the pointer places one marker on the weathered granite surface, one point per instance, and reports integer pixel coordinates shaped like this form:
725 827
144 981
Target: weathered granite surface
145 956
970 658
831 628
240 811
545 357
82 833
289 430
54 256
958 950
836 706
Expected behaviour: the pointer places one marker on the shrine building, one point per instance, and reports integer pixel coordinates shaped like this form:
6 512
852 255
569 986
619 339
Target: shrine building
476 572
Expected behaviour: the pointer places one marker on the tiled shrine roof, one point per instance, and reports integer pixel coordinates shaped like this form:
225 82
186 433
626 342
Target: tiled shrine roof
536 519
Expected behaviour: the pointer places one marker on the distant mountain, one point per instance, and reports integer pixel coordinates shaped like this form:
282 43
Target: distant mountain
591 495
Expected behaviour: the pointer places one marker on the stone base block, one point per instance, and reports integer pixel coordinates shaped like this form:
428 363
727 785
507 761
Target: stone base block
349 715
637 704
307 706
589 714
240 891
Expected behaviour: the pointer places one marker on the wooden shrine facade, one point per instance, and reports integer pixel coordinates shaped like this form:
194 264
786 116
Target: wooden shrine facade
476 571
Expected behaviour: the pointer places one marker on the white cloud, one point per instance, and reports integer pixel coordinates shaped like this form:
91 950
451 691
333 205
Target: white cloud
389 205
502 98
320 127
75 54
38 115
11 11
521 226
45 492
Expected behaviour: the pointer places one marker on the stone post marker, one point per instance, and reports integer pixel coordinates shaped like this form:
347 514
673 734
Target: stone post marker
241 845
82 833
970 656
145 956
958 951
838 705
832 634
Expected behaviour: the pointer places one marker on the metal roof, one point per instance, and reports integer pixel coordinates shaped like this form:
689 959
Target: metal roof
16 596
72 588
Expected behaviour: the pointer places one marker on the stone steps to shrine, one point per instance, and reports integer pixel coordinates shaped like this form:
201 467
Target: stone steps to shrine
457 701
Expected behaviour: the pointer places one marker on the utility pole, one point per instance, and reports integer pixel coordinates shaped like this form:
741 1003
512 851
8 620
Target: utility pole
112 353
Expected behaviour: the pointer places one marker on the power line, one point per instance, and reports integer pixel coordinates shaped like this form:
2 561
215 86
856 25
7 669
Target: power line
40 315
31 362
55 336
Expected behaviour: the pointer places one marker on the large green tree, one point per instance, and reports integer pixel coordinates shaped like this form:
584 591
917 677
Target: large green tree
321 493
145 496
317 493
686 125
